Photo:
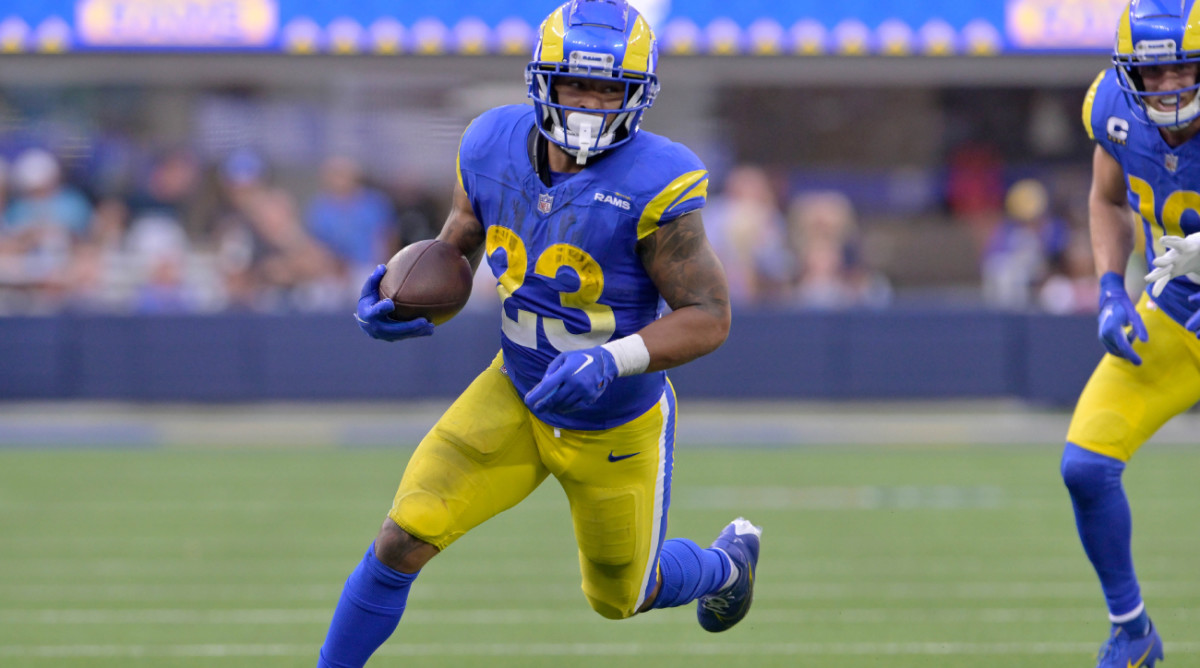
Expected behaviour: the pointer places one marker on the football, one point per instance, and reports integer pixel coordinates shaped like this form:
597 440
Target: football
427 279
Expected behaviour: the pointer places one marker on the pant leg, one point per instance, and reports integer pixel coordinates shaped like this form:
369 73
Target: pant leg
618 482
480 459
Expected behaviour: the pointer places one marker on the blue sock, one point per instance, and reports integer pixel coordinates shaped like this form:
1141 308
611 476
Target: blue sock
369 610
1104 522
689 572
1138 627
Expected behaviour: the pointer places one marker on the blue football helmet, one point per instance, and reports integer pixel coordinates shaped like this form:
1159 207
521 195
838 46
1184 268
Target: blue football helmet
1157 32
593 39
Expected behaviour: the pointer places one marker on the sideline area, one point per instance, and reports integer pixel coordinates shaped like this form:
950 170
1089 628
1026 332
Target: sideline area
701 423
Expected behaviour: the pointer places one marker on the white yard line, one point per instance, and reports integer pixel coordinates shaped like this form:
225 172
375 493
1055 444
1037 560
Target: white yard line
493 617
783 423
581 649
1038 590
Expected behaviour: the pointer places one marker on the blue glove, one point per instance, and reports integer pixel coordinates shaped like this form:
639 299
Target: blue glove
373 314
1116 313
1193 323
574 380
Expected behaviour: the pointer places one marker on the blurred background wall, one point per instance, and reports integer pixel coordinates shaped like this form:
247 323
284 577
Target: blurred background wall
193 190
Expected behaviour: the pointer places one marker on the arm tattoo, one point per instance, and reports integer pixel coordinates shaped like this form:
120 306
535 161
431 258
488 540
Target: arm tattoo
465 232
683 265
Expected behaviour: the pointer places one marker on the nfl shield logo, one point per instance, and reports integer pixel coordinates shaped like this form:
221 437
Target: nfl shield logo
1172 161
545 202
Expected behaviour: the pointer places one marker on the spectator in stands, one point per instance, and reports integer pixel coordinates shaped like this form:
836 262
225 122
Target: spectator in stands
420 209
1074 288
170 190
159 249
41 227
159 265
975 188
825 239
98 275
354 222
268 259
747 231
1023 248
43 201
11 265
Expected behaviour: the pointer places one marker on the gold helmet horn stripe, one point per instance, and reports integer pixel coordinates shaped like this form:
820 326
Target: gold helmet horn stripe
637 50
1124 35
1191 31
553 31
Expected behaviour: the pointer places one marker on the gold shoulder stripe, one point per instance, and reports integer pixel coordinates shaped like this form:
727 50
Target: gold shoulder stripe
1088 101
458 161
653 212
700 189
458 170
458 155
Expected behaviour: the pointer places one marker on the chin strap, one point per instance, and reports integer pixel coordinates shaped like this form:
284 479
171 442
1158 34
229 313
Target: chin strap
1177 120
586 142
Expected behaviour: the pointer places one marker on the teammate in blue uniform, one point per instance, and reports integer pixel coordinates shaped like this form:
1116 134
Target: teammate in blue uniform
1144 114
588 225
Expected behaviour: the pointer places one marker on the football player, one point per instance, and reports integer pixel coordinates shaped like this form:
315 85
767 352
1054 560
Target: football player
1144 114
587 222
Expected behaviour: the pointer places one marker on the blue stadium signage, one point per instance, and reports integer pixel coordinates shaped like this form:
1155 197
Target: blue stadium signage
483 27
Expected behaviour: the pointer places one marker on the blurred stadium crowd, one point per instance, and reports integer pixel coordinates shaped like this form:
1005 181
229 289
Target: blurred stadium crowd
187 236
106 222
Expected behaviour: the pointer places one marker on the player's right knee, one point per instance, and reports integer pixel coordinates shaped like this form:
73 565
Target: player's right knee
400 550
609 606
1087 474
1108 431
422 514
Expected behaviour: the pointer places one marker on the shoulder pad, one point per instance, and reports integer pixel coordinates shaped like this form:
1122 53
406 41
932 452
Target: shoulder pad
479 140
491 126
675 183
1105 112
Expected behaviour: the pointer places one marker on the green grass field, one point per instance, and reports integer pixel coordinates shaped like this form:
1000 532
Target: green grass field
872 557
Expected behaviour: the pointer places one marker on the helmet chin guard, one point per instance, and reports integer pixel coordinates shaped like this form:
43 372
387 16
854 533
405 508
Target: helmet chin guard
1180 118
604 40
581 132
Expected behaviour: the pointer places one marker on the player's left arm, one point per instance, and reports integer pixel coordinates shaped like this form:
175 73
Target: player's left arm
685 269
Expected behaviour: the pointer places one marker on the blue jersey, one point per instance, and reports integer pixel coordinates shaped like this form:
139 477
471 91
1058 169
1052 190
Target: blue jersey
1162 181
565 256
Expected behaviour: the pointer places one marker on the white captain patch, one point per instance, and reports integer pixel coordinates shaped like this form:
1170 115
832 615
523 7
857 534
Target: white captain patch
1118 130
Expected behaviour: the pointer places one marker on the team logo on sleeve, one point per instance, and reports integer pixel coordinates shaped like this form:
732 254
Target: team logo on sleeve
614 199
545 203
1118 130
